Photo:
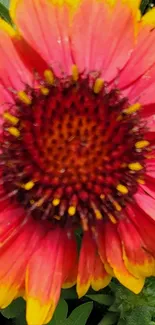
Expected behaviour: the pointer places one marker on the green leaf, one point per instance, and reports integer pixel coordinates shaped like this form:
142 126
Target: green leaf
20 320
144 5
106 300
140 315
79 315
121 322
69 293
14 309
4 13
60 314
5 3
109 319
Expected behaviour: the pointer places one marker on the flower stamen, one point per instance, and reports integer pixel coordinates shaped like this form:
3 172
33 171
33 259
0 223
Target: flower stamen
49 77
72 210
61 159
45 91
14 131
24 97
75 72
28 186
122 189
12 119
135 166
132 109
98 86
142 144
56 202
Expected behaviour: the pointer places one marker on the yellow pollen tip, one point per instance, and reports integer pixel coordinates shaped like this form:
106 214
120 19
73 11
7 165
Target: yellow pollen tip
28 186
24 97
72 210
135 166
13 119
141 181
112 218
119 118
102 196
44 91
40 202
14 131
56 202
132 109
142 144
49 77
117 206
57 217
98 85
98 215
75 72
122 189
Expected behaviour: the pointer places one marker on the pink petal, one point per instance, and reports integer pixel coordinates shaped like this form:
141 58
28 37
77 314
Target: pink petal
94 46
141 61
149 186
13 72
150 167
146 203
45 26
144 224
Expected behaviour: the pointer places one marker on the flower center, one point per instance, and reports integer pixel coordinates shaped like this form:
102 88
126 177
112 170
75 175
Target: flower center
72 151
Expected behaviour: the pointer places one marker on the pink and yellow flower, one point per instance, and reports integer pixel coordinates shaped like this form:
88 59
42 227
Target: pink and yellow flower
77 125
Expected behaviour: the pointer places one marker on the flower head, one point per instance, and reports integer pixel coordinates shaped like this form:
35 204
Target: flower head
77 107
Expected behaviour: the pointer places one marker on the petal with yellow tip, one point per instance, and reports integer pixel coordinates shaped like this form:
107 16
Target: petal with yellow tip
100 240
114 254
44 280
70 263
14 256
100 278
136 258
86 264
144 225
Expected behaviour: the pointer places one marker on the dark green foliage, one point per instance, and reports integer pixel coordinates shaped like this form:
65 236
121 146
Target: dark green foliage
14 309
4 13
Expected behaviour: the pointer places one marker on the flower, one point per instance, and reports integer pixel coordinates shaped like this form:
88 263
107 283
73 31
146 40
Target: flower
77 107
